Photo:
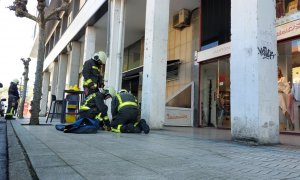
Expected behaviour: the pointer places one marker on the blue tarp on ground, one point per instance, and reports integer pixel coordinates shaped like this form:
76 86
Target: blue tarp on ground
81 126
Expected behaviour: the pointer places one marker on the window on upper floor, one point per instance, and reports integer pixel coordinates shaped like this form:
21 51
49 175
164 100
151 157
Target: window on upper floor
70 18
81 3
48 2
216 23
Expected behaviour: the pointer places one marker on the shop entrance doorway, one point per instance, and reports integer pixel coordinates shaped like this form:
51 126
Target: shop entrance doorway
215 94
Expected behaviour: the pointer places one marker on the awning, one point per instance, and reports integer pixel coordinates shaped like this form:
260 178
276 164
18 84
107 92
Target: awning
172 70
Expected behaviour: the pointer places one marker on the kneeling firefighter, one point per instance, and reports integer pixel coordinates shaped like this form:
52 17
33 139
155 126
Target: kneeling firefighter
125 113
13 97
93 107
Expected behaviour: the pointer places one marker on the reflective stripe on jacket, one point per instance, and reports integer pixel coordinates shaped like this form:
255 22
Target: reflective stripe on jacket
122 100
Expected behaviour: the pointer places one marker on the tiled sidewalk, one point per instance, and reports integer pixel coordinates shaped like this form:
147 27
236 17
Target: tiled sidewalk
173 153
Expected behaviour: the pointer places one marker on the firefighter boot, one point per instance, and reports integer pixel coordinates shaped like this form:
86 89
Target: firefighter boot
133 129
144 126
107 126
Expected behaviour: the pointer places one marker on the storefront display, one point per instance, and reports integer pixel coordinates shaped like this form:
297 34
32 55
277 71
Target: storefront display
286 7
289 63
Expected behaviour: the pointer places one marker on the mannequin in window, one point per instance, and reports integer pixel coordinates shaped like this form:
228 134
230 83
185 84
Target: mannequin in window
283 92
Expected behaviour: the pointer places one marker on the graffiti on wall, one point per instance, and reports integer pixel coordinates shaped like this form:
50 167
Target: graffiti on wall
266 53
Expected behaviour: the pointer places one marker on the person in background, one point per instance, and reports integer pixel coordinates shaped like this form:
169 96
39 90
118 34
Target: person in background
93 107
294 96
92 73
13 97
220 110
283 92
125 112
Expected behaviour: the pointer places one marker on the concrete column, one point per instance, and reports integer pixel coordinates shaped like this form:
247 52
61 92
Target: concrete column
74 64
253 72
45 91
62 74
155 62
89 43
114 65
54 77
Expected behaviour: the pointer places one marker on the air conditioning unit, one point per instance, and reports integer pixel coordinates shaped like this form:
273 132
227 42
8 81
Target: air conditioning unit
181 19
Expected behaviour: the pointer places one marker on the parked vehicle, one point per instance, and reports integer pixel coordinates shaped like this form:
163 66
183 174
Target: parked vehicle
2 107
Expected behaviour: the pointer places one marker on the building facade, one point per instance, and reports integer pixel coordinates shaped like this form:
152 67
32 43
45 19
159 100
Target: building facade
214 59
190 63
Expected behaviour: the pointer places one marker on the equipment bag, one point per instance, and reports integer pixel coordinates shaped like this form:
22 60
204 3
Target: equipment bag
81 126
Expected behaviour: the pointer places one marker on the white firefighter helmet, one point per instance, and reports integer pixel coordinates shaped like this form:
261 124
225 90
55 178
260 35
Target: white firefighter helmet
109 91
16 81
100 56
123 91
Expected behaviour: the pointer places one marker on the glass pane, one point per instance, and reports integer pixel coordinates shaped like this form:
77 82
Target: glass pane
134 55
183 99
215 94
223 97
208 88
289 100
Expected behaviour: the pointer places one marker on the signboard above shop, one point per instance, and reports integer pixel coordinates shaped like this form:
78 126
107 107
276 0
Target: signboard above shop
284 31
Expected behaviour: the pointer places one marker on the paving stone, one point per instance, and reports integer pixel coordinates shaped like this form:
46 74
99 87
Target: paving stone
158 155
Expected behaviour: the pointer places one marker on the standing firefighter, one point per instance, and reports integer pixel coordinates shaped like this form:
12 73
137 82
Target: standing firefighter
91 73
94 107
13 97
125 113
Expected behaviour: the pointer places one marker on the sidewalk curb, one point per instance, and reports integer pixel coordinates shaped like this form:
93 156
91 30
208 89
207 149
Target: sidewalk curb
3 150
18 158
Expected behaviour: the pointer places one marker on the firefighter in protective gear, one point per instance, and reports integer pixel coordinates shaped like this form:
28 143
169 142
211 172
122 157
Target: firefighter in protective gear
13 97
125 113
92 73
93 107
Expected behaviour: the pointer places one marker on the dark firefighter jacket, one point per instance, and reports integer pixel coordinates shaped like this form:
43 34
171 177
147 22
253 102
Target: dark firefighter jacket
121 102
91 73
94 103
13 90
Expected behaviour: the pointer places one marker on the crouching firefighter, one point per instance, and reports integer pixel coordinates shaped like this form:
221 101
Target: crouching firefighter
13 97
93 107
125 113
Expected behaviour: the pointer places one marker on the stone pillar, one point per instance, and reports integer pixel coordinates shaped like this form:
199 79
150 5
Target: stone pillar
62 74
45 91
89 43
74 64
253 72
155 62
114 65
54 77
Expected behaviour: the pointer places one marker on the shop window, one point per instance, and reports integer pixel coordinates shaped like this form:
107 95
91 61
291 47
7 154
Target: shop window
181 99
173 69
179 107
289 63
286 7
